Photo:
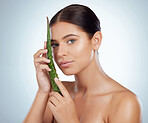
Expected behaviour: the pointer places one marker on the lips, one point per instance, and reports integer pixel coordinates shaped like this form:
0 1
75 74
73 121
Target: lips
65 62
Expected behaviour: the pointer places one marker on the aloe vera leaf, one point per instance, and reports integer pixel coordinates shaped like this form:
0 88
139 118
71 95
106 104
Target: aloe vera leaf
52 73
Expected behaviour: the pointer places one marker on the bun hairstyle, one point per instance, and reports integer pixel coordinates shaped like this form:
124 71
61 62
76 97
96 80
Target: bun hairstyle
79 15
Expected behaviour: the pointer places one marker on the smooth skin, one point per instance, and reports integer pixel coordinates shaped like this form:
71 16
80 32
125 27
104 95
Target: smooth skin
93 97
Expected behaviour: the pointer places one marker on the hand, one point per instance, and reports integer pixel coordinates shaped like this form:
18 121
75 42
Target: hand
62 107
42 69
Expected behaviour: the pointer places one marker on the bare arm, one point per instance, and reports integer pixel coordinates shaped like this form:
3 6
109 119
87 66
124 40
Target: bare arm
36 113
37 110
40 111
48 116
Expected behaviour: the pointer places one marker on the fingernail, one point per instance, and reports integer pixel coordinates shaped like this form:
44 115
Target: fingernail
47 60
49 69
56 79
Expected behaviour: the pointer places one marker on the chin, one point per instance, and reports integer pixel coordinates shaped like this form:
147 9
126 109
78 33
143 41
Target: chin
68 72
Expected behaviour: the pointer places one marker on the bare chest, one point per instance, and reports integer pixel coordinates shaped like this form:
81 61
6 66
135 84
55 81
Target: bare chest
93 110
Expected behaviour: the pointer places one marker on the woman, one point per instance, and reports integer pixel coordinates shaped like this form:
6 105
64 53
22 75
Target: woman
93 97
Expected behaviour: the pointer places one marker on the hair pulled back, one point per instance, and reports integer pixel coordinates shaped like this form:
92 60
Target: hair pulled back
79 15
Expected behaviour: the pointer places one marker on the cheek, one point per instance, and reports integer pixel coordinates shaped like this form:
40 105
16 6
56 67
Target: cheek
82 56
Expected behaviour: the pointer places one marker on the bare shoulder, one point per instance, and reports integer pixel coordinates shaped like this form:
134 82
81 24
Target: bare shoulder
127 98
126 107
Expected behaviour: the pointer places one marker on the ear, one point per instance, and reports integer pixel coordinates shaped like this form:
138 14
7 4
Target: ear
96 40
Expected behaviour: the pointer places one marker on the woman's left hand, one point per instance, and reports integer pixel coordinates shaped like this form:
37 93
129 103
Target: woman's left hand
62 107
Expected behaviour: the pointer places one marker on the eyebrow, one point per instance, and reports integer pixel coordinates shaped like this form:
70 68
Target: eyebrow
66 36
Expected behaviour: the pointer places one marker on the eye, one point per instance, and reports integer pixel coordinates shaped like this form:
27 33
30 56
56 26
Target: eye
72 40
54 45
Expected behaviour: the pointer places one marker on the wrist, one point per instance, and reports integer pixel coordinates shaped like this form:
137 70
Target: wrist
42 92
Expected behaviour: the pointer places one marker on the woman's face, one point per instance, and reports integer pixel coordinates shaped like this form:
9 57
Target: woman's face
70 43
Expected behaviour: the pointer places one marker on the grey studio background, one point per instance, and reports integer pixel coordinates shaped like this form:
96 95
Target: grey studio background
123 52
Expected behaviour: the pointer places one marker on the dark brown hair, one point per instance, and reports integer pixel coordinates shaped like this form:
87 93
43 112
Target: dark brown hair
80 15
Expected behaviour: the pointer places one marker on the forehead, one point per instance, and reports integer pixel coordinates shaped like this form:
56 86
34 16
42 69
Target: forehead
63 28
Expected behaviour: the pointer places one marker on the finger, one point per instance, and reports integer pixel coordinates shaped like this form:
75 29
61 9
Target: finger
56 95
62 88
47 74
54 100
45 44
44 55
43 67
38 53
41 60
51 106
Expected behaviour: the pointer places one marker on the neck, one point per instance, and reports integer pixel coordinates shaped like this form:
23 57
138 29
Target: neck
91 79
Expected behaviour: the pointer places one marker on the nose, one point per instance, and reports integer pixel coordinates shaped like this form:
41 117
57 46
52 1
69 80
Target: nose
62 50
